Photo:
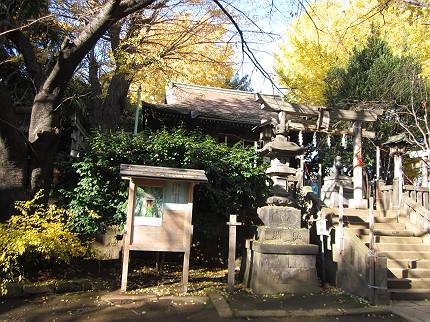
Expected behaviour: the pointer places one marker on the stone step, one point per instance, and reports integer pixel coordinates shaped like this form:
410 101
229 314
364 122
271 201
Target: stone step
391 220
384 232
408 283
405 255
382 247
409 294
393 239
361 220
406 263
346 211
359 212
379 226
386 213
408 273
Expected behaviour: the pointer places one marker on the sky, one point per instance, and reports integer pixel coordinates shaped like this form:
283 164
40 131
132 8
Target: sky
273 20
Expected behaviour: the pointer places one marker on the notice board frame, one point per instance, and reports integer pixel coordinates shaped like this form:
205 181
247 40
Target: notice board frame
175 231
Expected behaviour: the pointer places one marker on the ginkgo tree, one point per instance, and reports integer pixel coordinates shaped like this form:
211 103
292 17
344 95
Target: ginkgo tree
188 43
81 45
183 49
323 37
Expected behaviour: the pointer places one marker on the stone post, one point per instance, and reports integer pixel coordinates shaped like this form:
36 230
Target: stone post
425 173
395 200
378 163
379 197
372 259
397 166
357 201
398 175
232 250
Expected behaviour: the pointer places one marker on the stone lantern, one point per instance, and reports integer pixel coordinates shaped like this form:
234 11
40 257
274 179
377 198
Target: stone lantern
281 151
397 144
280 258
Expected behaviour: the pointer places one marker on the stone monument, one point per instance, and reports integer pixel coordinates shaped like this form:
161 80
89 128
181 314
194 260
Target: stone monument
280 258
330 189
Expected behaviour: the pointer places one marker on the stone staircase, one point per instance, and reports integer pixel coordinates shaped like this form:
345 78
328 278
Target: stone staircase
408 258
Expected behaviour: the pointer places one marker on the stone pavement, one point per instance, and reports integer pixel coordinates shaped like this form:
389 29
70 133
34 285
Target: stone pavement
412 311
334 305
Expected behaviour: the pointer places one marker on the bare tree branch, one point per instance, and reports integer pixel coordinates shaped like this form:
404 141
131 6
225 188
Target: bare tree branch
245 48
4 33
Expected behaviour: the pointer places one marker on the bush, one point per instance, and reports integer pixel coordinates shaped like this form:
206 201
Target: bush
236 175
39 233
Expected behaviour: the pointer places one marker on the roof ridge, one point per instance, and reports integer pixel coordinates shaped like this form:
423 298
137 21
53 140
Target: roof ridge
216 89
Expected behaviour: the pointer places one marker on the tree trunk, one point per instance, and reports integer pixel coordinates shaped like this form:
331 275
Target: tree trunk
107 115
13 158
115 101
44 131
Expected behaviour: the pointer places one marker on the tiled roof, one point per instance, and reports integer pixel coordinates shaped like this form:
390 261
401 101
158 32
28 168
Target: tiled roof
213 103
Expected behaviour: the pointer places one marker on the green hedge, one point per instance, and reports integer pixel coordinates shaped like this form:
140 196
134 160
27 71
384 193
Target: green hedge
236 175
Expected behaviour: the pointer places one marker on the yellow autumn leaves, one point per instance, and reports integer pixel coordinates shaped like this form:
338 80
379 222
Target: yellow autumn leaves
182 49
316 45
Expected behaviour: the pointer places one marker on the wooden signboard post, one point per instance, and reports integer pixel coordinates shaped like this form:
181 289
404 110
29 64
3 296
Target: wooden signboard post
159 213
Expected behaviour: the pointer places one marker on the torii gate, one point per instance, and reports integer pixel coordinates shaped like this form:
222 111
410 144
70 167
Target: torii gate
317 119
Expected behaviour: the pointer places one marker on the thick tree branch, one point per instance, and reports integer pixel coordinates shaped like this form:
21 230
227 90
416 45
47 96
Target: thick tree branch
24 46
418 4
71 54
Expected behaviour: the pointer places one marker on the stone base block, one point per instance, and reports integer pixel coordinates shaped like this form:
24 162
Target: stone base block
289 272
330 191
357 203
290 235
283 248
37 289
105 252
279 216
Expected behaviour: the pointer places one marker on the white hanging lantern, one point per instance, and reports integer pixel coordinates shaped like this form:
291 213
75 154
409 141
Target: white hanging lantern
301 138
344 143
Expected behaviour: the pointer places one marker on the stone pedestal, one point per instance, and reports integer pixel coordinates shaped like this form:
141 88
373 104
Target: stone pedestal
358 203
330 191
280 258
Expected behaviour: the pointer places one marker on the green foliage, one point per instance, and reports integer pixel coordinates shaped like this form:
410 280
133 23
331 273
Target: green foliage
239 83
236 175
373 77
38 233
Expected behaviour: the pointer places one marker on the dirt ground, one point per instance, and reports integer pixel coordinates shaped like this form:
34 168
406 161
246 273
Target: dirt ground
104 306
155 296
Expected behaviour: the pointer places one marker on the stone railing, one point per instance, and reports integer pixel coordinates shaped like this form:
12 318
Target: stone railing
384 196
359 271
388 196
417 217
418 194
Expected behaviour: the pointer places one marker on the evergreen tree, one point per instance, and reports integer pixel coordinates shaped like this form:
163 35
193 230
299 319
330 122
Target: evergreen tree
239 83
373 78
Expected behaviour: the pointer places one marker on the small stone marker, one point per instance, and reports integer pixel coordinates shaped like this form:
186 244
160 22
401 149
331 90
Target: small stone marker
232 250
321 227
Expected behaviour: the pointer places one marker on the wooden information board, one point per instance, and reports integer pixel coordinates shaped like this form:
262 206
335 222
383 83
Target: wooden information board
159 213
